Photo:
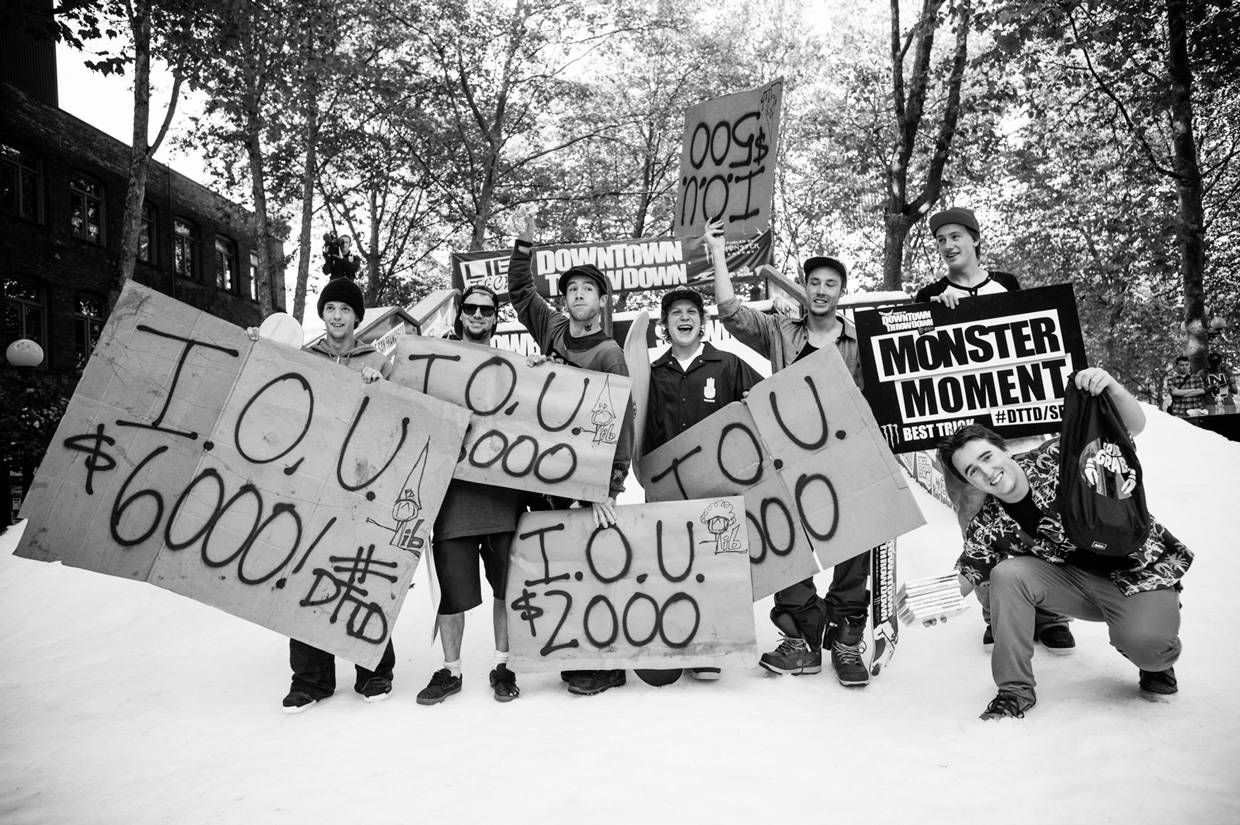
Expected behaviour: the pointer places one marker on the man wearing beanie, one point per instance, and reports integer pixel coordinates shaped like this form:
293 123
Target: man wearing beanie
314 671
959 241
802 617
577 339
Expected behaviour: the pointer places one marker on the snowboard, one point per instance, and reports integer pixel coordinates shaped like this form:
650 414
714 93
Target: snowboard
884 625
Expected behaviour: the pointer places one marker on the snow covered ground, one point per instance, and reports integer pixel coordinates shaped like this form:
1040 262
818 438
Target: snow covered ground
122 703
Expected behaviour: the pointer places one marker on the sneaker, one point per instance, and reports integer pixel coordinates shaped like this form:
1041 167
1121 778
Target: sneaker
846 658
298 701
596 681
442 685
705 674
1057 639
376 689
988 638
1158 685
504 683
792 656
1007 705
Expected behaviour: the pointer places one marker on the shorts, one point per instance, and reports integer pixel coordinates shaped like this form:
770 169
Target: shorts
456 567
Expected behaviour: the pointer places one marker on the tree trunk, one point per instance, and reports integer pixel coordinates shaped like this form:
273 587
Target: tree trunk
309 172
258 187
1188 184
139 155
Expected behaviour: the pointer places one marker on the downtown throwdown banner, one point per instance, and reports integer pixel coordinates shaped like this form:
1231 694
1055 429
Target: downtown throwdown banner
998 360
631 265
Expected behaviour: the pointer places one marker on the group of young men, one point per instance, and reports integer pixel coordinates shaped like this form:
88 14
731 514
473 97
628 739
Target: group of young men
1029 576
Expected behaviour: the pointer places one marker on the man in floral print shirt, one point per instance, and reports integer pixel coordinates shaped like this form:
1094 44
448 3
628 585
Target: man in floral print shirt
1017 542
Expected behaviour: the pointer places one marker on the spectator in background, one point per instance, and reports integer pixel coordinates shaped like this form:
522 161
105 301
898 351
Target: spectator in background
338 258
1188 389
1220 382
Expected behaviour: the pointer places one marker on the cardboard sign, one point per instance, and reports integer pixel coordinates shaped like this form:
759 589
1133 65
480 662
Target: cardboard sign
666 586
631 265
263 480
807 455
637 358
727 162
549 429
1000 360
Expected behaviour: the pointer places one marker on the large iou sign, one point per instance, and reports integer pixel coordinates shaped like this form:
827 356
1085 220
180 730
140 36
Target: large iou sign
666 586
805 452
727 162
263 480
549 429
1000 360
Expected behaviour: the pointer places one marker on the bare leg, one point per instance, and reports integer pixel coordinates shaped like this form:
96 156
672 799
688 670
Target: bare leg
451 631
499 618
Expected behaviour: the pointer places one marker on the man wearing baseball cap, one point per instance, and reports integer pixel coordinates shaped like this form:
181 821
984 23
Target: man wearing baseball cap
801 616
576 337
959 240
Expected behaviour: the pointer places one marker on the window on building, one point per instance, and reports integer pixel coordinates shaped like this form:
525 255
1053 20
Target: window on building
86 208
24 313
21 182
254 277
226 263
146 235
184 248
87 326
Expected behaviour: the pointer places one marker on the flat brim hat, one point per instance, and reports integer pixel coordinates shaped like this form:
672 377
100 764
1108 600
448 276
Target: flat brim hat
590 271
344 290
819 261
682 293
958 215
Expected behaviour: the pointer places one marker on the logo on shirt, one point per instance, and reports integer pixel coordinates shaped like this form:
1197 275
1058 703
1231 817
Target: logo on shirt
708 392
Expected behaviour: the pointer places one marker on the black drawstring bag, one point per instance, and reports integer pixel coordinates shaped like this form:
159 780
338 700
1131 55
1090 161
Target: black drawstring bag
1101 487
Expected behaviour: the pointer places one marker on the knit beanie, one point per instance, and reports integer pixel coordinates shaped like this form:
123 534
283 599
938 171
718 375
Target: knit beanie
344 290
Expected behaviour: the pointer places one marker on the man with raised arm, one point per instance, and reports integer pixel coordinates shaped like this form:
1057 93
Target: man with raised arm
1018 544
801 616
474 524
576 338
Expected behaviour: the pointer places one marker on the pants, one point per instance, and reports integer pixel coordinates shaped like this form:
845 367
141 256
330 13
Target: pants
1144 627
847 597
314 670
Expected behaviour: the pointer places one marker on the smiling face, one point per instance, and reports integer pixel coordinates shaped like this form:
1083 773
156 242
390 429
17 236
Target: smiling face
683 324
582 298
990 468
823 287
956 247
340 320
478 317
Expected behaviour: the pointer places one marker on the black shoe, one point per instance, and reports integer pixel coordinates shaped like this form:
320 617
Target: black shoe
375 689
1007 706
596 681
988 638
846 658
1056 638
442 685
705 674
298 701
1158 685
504 683
793 655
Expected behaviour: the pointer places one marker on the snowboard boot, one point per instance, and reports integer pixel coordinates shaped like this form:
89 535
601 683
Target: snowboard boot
1007 705
794 654
846 640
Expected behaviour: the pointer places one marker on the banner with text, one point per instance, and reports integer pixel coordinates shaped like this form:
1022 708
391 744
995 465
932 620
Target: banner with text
727 162
666 586
548 429
257 478
631 266
999 360
805 452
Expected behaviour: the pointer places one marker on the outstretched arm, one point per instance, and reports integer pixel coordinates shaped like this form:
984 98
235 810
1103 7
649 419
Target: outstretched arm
1096 381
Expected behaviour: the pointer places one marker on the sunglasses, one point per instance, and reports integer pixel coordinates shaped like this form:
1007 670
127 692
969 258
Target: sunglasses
477 309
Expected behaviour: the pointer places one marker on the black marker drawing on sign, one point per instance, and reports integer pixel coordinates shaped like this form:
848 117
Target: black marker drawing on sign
602 416
542 549
812 444
658 540
305 426
721 521
537 458
624 543
695 190
407 508
757 448
123 502
190 343
675 471
96 458
348 591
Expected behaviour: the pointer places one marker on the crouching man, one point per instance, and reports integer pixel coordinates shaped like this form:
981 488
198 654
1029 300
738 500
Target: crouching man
1017 543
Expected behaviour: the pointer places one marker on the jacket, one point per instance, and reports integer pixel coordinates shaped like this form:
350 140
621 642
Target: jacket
781 339
356 359
679 399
